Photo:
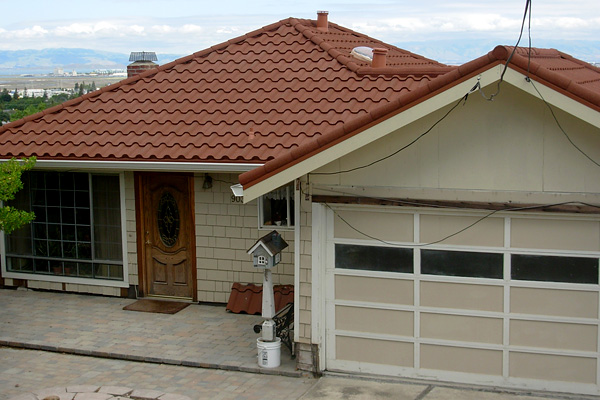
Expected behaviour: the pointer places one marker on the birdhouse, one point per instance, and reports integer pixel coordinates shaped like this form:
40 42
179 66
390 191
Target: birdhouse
266 252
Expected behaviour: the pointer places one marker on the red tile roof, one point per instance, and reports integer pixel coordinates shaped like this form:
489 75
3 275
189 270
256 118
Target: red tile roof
573 78
248 298
250 99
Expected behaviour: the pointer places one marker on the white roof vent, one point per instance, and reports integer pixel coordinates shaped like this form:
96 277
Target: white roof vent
363 53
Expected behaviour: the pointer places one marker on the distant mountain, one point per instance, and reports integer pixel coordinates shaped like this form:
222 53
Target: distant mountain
68 59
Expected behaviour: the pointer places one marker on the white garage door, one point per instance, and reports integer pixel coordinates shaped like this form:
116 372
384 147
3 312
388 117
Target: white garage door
511 301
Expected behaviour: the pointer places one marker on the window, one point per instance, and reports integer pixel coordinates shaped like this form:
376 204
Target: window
374 258
276 209
554 269
77 229
462 263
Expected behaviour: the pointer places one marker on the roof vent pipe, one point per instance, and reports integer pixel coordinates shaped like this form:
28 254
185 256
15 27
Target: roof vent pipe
379 58
322 23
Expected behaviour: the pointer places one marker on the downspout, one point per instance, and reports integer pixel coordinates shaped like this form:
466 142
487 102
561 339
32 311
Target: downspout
297 247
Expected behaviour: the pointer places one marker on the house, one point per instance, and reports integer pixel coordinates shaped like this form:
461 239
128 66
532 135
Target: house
443 221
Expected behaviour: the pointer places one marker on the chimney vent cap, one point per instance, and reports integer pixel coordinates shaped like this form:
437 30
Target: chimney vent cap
143 56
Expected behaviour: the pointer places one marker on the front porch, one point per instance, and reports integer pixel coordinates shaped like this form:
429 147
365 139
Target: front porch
203 336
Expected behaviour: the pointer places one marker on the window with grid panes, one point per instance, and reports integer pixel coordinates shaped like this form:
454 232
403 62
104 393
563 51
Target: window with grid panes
77 229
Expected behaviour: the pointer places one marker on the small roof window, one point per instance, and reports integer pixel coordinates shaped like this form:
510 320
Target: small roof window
363 53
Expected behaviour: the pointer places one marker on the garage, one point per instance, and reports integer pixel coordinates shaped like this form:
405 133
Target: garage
512 300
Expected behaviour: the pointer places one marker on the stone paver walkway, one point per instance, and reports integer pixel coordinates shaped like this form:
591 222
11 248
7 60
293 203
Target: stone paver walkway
198 336
33 374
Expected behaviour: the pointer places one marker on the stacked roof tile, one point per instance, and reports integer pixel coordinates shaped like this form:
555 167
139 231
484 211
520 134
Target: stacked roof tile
246 100
277 92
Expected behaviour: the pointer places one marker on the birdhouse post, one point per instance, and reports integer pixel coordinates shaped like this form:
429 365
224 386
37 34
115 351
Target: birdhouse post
266 254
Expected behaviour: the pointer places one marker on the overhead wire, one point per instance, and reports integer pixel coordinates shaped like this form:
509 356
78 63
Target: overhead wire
526 16
461 100
509 209
527 12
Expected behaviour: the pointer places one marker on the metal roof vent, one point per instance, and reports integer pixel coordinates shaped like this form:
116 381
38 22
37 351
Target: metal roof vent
363 53
143 56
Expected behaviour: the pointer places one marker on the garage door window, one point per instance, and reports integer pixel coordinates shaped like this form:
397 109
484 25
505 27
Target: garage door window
462 263
554 269
374 258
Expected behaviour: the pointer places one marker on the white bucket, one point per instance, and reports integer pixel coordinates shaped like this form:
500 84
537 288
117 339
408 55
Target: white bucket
269 353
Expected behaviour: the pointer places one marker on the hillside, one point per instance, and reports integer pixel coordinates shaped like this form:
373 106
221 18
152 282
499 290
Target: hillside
67 58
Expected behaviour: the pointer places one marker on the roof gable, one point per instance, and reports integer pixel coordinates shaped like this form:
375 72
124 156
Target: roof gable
557 71
250 99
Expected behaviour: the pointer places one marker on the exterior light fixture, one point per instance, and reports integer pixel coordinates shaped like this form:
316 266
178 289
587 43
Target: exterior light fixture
237 189
207 182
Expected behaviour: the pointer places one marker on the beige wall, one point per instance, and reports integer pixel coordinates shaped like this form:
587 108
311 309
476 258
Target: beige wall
479 154
305 290
225 230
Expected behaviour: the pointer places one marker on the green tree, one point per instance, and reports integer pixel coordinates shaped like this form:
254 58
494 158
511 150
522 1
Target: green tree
31 109
10 183
16 94
5 96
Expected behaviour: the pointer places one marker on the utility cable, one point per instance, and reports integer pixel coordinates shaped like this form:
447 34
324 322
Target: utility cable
560 126
462 99
527 11
509 209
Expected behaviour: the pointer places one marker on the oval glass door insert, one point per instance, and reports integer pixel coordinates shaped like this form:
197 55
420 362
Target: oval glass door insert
168 219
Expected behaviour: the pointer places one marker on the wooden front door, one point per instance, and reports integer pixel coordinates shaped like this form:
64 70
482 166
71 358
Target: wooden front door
167 235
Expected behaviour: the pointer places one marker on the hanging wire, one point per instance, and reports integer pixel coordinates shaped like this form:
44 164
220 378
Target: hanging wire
561 128
527 11
461 100
508 209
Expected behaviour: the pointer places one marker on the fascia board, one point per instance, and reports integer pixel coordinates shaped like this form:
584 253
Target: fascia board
143 166
372 134
552 97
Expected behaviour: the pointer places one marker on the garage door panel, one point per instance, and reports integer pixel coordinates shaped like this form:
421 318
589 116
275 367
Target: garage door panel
557 302
461 328
374 351
376 290
462 296
513 301
552 367
489 232
554 335
362 319
390 227
555 234
461 359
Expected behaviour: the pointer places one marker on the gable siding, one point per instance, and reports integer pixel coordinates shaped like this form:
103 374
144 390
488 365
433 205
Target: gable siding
511 144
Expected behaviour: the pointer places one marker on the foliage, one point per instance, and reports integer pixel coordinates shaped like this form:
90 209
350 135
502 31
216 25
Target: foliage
31 109
10 183
14 107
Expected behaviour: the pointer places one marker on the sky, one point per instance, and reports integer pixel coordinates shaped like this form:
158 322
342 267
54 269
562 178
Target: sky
186 26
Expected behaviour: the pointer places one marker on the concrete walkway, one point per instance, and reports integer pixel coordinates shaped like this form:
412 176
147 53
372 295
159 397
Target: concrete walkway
197 336
35 375
78 347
